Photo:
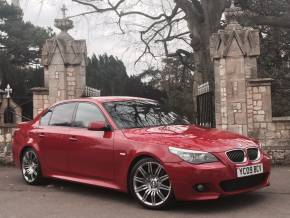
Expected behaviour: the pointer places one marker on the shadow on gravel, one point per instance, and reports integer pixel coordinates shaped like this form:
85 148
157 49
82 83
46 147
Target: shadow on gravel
88 191
227 204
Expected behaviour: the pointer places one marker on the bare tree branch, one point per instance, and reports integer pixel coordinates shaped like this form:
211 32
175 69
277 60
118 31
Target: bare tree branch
100 10
191 9
146 50
170 38
185 57
160 30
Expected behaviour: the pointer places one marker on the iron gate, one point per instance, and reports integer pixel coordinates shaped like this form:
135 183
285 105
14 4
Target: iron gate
205 106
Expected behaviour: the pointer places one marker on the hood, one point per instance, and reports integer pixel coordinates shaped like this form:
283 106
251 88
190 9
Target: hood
190 137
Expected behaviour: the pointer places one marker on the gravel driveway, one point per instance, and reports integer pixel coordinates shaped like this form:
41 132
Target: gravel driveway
63 199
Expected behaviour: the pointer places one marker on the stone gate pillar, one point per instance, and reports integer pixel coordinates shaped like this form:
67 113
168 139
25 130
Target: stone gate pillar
64 60
234 51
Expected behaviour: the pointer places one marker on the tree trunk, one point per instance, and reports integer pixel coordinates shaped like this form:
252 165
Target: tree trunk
205 71
202 27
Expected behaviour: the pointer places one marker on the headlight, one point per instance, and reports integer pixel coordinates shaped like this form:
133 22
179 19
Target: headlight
194 157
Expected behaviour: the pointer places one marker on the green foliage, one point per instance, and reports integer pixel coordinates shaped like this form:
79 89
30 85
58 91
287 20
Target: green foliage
20 41
276 8
172 85
177 82
274 62
20 50
108 74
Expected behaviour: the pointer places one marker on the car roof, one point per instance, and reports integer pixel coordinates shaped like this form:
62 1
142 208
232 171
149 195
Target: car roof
106 99
118 98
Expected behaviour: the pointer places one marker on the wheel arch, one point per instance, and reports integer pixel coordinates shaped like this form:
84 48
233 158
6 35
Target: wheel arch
24 148
133 163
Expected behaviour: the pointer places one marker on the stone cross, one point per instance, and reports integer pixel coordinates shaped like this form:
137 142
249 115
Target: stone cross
8 91
64 24
233 3
64 9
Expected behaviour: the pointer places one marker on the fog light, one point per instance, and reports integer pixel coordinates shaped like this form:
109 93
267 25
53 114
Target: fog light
200 188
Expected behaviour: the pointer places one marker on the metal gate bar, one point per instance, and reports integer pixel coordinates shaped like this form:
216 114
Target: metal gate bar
205 107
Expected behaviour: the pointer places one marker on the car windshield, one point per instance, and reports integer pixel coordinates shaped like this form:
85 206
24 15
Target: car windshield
142 113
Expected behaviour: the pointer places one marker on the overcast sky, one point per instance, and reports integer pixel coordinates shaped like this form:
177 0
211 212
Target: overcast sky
99 35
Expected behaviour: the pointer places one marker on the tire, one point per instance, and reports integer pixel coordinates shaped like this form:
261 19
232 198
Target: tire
150 185
30 167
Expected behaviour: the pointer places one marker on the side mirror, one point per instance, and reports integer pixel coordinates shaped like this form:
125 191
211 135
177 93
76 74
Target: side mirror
99 126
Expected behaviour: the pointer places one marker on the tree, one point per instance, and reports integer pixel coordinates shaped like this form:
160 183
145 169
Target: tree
274 62
20 41
176 81
20 52
163 23
171 86
108 74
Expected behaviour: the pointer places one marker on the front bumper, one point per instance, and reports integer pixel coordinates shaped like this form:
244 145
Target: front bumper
184 177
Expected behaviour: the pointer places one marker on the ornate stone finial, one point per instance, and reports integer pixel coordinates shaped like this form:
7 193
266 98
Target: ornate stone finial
232 14
64 9
63 24
233 4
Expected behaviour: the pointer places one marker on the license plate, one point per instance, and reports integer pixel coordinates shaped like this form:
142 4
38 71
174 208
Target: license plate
250 170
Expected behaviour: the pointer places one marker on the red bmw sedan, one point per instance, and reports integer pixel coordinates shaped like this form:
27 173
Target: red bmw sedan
134 145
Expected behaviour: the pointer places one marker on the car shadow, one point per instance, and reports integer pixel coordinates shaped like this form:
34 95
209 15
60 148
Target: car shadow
229 204
88 190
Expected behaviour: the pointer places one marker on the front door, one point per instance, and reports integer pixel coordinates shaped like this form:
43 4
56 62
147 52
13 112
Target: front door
52 132
91 152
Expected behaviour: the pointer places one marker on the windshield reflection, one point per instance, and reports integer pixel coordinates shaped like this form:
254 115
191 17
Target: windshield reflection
142 114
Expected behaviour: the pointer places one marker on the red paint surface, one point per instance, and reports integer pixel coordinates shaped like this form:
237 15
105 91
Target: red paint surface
104 158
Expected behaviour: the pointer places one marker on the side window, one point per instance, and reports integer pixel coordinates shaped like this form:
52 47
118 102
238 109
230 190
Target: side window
62 115
44 121
87 113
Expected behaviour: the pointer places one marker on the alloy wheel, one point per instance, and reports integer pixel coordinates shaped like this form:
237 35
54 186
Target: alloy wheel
30 167
151 184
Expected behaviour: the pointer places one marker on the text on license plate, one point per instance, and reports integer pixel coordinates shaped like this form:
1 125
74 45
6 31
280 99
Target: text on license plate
250 170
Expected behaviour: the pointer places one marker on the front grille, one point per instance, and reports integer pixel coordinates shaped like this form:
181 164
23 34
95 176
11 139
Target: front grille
236 156
243 183
253 154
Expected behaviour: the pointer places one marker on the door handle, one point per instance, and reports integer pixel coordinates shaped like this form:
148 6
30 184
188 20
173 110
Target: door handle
73 139
41 135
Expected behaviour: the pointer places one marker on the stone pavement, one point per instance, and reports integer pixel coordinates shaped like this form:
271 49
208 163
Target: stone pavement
63 199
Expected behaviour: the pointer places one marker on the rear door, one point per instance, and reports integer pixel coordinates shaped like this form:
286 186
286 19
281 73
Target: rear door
54 127
90 153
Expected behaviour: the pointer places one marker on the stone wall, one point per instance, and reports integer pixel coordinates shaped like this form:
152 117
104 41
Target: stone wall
5 144
40 100
273 132
7 129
